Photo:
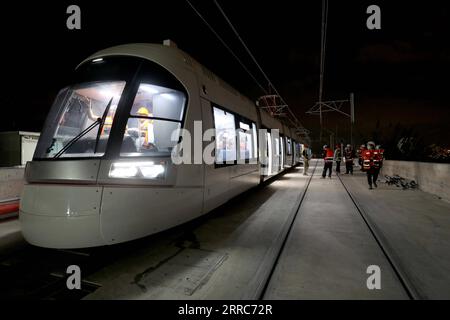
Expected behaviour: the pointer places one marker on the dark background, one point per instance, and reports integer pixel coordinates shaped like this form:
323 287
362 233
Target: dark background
398 74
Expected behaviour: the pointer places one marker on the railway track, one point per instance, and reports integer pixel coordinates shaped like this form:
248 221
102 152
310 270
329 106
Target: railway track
388 252
401 275
36 273
263 291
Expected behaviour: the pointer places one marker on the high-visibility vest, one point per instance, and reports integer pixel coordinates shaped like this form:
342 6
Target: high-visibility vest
349 155
361 152
367 157
378 158
329 155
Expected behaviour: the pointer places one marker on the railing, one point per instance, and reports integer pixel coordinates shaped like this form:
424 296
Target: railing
9 208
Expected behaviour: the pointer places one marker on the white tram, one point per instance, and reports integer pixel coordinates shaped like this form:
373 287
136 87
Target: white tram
103 172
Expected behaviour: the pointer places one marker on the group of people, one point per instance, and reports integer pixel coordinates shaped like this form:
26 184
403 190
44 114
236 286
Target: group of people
370 159
329 156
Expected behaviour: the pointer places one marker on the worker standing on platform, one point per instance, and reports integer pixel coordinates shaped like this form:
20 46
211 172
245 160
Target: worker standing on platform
361 151
380 155
306 153
328 156
349 155
371 164
338 158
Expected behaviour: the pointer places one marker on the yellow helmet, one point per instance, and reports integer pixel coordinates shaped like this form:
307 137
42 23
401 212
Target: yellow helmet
143 111
108 120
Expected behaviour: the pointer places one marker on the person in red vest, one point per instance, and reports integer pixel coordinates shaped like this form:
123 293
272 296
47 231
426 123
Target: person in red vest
360 152
380 155
349 155
371 164
338 158
328 156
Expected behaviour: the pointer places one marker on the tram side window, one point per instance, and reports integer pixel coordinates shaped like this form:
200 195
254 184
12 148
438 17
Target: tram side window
156 114
255 140
277 146
245 142
289 150
224 124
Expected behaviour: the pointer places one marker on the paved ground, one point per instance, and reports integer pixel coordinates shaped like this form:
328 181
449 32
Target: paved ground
10 236
416 227
230 253
229 256
329 250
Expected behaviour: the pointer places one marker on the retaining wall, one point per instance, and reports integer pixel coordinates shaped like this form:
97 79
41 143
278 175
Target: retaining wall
432 177
11 182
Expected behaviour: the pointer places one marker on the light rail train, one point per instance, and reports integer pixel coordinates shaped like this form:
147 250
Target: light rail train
102 172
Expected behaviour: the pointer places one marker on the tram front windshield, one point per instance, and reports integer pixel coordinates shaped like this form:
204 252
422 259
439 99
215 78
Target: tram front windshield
82 118
86 112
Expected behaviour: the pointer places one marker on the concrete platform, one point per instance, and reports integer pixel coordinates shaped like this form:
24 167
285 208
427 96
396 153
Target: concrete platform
10 236
329 250
227 256
416 225
230 253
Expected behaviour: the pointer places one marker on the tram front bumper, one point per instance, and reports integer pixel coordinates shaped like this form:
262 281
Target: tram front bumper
61 216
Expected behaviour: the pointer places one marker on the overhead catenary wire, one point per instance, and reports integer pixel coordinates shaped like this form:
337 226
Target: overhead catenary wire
323 45
227 47
245 46
292 117
254 59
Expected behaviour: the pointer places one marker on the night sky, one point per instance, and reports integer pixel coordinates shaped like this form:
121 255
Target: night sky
399 74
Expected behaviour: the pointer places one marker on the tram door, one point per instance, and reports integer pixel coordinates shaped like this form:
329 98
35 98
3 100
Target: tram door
276 156
269 154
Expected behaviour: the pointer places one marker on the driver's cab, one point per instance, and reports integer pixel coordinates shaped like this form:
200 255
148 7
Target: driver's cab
118 108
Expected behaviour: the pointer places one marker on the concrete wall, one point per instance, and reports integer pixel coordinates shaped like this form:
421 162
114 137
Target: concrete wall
431 177
11 182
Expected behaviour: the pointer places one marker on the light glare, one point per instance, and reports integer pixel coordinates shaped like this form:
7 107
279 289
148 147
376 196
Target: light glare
148 88
145 170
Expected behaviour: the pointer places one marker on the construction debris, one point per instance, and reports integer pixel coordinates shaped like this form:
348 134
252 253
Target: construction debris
401 182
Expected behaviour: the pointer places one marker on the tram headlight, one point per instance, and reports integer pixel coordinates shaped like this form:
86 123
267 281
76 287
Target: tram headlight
138 170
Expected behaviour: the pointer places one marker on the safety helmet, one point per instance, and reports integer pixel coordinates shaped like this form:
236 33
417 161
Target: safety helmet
349 146
371 145
363 146
108 120
325 146
378 147
143 111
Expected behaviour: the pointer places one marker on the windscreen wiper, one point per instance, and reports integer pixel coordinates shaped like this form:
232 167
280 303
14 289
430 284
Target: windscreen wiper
99 121
102 124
